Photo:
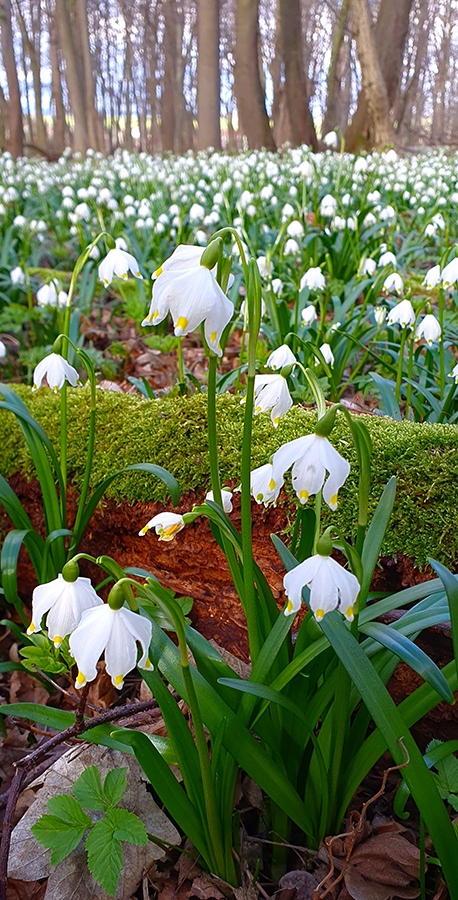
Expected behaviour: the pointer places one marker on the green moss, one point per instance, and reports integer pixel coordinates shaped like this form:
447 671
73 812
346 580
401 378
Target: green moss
172 433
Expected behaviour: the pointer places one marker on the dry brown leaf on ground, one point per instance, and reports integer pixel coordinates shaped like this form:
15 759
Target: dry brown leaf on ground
304 883
25 890
71 879
204 888
24 688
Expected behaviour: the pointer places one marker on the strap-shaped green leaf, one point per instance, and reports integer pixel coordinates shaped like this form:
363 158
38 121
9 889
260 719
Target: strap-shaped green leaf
451 588
412 655
374 538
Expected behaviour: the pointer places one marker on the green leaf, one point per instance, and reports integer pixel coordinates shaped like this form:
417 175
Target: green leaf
69 810
88 789
104 855
60 836
374 538
451 588
114 786
447 771
387 394
128 827
44 715
412 655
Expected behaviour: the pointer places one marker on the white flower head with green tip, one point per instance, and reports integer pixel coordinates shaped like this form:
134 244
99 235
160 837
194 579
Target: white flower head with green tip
56 370
114 632
311 457
165 524
65 600
118 262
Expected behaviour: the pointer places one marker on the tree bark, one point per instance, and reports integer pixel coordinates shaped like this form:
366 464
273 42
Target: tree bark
250 97
72 77
30 45
208 75
333 116
168 91
56 89
15 124
89 88
374 87
300 117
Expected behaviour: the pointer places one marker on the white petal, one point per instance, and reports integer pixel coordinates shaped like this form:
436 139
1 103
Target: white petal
338 469
89 640
43 598
141 629
295 580
289 453
324 595
120 651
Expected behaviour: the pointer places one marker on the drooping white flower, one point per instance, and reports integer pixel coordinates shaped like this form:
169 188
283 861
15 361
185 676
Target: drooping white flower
450 273
56 370
387 258
380 315
118 262
264 489
291 246
429 329
226 497
47 294
432 277
331 587
328 205
185 256
311 457
309 315
393 284
264 269
368 267
277 286
192 296
115 631
331 140
17 276
280 357
313 279
327 354
402 314
65 602
165 524
454 373
271 393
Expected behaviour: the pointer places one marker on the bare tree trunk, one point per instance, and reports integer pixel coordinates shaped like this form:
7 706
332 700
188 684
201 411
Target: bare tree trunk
333 116
404 105
168 92
56 90
250 97
300 117
15 126
208 75
72 77
89 89
3 119
375 92
30 43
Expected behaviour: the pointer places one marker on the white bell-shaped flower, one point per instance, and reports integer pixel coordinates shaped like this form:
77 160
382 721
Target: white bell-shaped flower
65 602
56 370
193 296
309 315
264 489
368 267
115 631
313 279
271 393
226 497
327 354
429 329
402 314
118 262
47 294
432 277
387 258
331 587
311 457
17 276
331 140
281 357
393 284
450 273
165 524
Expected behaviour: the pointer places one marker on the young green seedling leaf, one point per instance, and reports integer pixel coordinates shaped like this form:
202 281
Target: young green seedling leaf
88 789
128 827
59 836
114 786
104 855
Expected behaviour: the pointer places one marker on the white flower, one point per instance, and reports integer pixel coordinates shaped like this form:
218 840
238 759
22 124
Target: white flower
331 587
387 259
263 267
192 296
431 230
311 457
291 246
454 373
328 205
55 369
327 354
185 256
331 140
226 497
450 273
277 286
295 229
17 276
402 314
115 631
117 262
368 267
393 284
280 357
309 315
66 602
196 213
47 294
271 393
2 350
429 329
432 277
380 315
263 487
313 278
165 524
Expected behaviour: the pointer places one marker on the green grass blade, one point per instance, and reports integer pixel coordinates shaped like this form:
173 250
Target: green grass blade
374 538
451 588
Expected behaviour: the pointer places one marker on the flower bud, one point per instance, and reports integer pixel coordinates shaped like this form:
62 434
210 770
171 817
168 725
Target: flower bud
57 345
324 543
286 371
117 595
325 425
110 242
212 253
71 571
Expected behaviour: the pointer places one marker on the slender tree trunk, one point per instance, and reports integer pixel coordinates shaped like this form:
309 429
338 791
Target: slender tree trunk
15 125
3 119
300 117
208 75
333 118
30 44
168 113
375 92
72 77
89 88
56 89
250 96
404 105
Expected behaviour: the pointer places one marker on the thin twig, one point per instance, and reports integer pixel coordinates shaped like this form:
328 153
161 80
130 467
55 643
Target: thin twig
62 690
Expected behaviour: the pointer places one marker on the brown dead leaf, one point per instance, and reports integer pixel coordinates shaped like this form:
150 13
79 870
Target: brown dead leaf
304 883
252 793
24 688
203 888
101 692
25 890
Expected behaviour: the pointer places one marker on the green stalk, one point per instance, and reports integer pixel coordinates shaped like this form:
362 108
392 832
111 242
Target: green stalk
180 360
410 372
317 519
251 600
400 364
89 456
212 438
441 342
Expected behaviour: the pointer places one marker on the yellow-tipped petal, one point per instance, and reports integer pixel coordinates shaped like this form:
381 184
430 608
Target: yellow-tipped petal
213 337
80 679
124 275
148 664
119 680
143 530
276 420
57 641
182 323
319 614
349 613
289 606
303 495
158 272
31 628
271 484
333 499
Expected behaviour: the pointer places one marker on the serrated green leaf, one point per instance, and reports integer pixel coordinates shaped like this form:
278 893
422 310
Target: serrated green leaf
69 810
88 789
104 855
447 774
128 827
57 835
114 786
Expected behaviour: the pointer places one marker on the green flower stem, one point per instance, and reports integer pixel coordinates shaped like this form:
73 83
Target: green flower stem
212 438
410 371
400 364
251 600
441 341
340 713
317 520
180 360
63 451
89 455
